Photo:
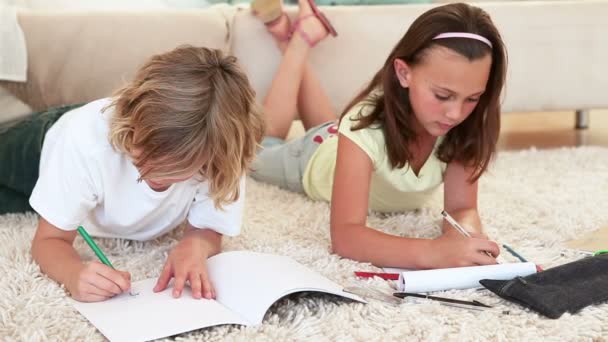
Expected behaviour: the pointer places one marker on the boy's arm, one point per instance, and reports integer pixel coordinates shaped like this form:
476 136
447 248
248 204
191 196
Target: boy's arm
202 239
52 249
188 262
210 240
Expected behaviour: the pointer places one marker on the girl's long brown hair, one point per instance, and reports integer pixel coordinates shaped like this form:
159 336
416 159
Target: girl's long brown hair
472 142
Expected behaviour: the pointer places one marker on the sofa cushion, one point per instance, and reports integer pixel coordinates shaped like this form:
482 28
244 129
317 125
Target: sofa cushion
344 63
557 50
76 57
11 108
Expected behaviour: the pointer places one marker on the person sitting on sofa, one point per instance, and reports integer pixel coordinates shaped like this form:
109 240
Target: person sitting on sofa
173 145
430 116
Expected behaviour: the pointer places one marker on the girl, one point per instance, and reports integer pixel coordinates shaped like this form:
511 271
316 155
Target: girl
430 115
172 145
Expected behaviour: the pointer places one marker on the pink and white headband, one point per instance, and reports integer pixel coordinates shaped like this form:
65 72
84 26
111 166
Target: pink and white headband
464 35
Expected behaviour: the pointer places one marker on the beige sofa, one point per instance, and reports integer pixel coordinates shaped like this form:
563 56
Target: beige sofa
558 50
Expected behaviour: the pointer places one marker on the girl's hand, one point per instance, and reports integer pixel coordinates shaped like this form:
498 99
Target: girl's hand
454 232
454 250
187 262
95 282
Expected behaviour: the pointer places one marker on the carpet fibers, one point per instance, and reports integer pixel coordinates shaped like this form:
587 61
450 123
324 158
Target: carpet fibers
533 200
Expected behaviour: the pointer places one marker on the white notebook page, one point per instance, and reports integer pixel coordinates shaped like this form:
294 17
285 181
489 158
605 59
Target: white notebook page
150 315
248 283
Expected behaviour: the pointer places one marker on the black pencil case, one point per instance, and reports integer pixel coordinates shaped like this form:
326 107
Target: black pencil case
569 287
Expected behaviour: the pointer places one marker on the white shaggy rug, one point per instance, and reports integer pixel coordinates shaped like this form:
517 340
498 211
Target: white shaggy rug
533 200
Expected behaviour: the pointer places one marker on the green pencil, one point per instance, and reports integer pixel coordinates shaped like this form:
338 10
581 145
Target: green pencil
514 253
93 246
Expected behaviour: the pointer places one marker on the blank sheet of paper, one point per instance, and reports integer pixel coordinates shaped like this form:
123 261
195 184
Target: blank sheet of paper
249 283
246 283
150 315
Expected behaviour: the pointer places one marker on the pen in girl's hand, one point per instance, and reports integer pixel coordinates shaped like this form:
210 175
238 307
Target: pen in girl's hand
459 228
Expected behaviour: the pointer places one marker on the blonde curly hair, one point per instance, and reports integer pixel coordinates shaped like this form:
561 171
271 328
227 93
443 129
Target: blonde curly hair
190 110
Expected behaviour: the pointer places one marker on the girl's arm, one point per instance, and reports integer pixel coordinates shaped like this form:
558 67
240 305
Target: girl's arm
52 249
350 237
460 198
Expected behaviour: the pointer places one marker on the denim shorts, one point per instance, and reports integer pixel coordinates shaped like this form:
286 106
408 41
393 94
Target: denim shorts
283 163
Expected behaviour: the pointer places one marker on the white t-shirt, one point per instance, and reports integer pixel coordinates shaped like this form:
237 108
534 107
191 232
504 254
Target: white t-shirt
85 181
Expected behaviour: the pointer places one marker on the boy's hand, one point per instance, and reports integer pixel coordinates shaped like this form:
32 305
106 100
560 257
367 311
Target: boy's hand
96 282
454 250
188 262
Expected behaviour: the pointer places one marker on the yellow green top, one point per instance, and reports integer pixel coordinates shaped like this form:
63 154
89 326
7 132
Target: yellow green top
390 189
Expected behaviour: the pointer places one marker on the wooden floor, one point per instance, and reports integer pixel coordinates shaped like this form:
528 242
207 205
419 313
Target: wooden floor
551 130
540 129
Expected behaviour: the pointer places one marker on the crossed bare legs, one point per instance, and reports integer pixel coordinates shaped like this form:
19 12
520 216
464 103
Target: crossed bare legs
295 88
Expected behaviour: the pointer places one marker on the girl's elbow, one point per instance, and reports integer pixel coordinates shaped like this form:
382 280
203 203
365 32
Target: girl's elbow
339 243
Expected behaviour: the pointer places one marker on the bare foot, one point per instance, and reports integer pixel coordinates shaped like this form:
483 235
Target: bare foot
309 25
280 28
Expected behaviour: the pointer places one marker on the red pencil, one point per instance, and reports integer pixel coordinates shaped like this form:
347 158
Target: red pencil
385 276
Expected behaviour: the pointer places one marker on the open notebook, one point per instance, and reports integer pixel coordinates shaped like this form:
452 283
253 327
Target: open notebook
458 278
247 284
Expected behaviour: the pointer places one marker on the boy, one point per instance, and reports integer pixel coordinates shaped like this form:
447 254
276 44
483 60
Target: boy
172 145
